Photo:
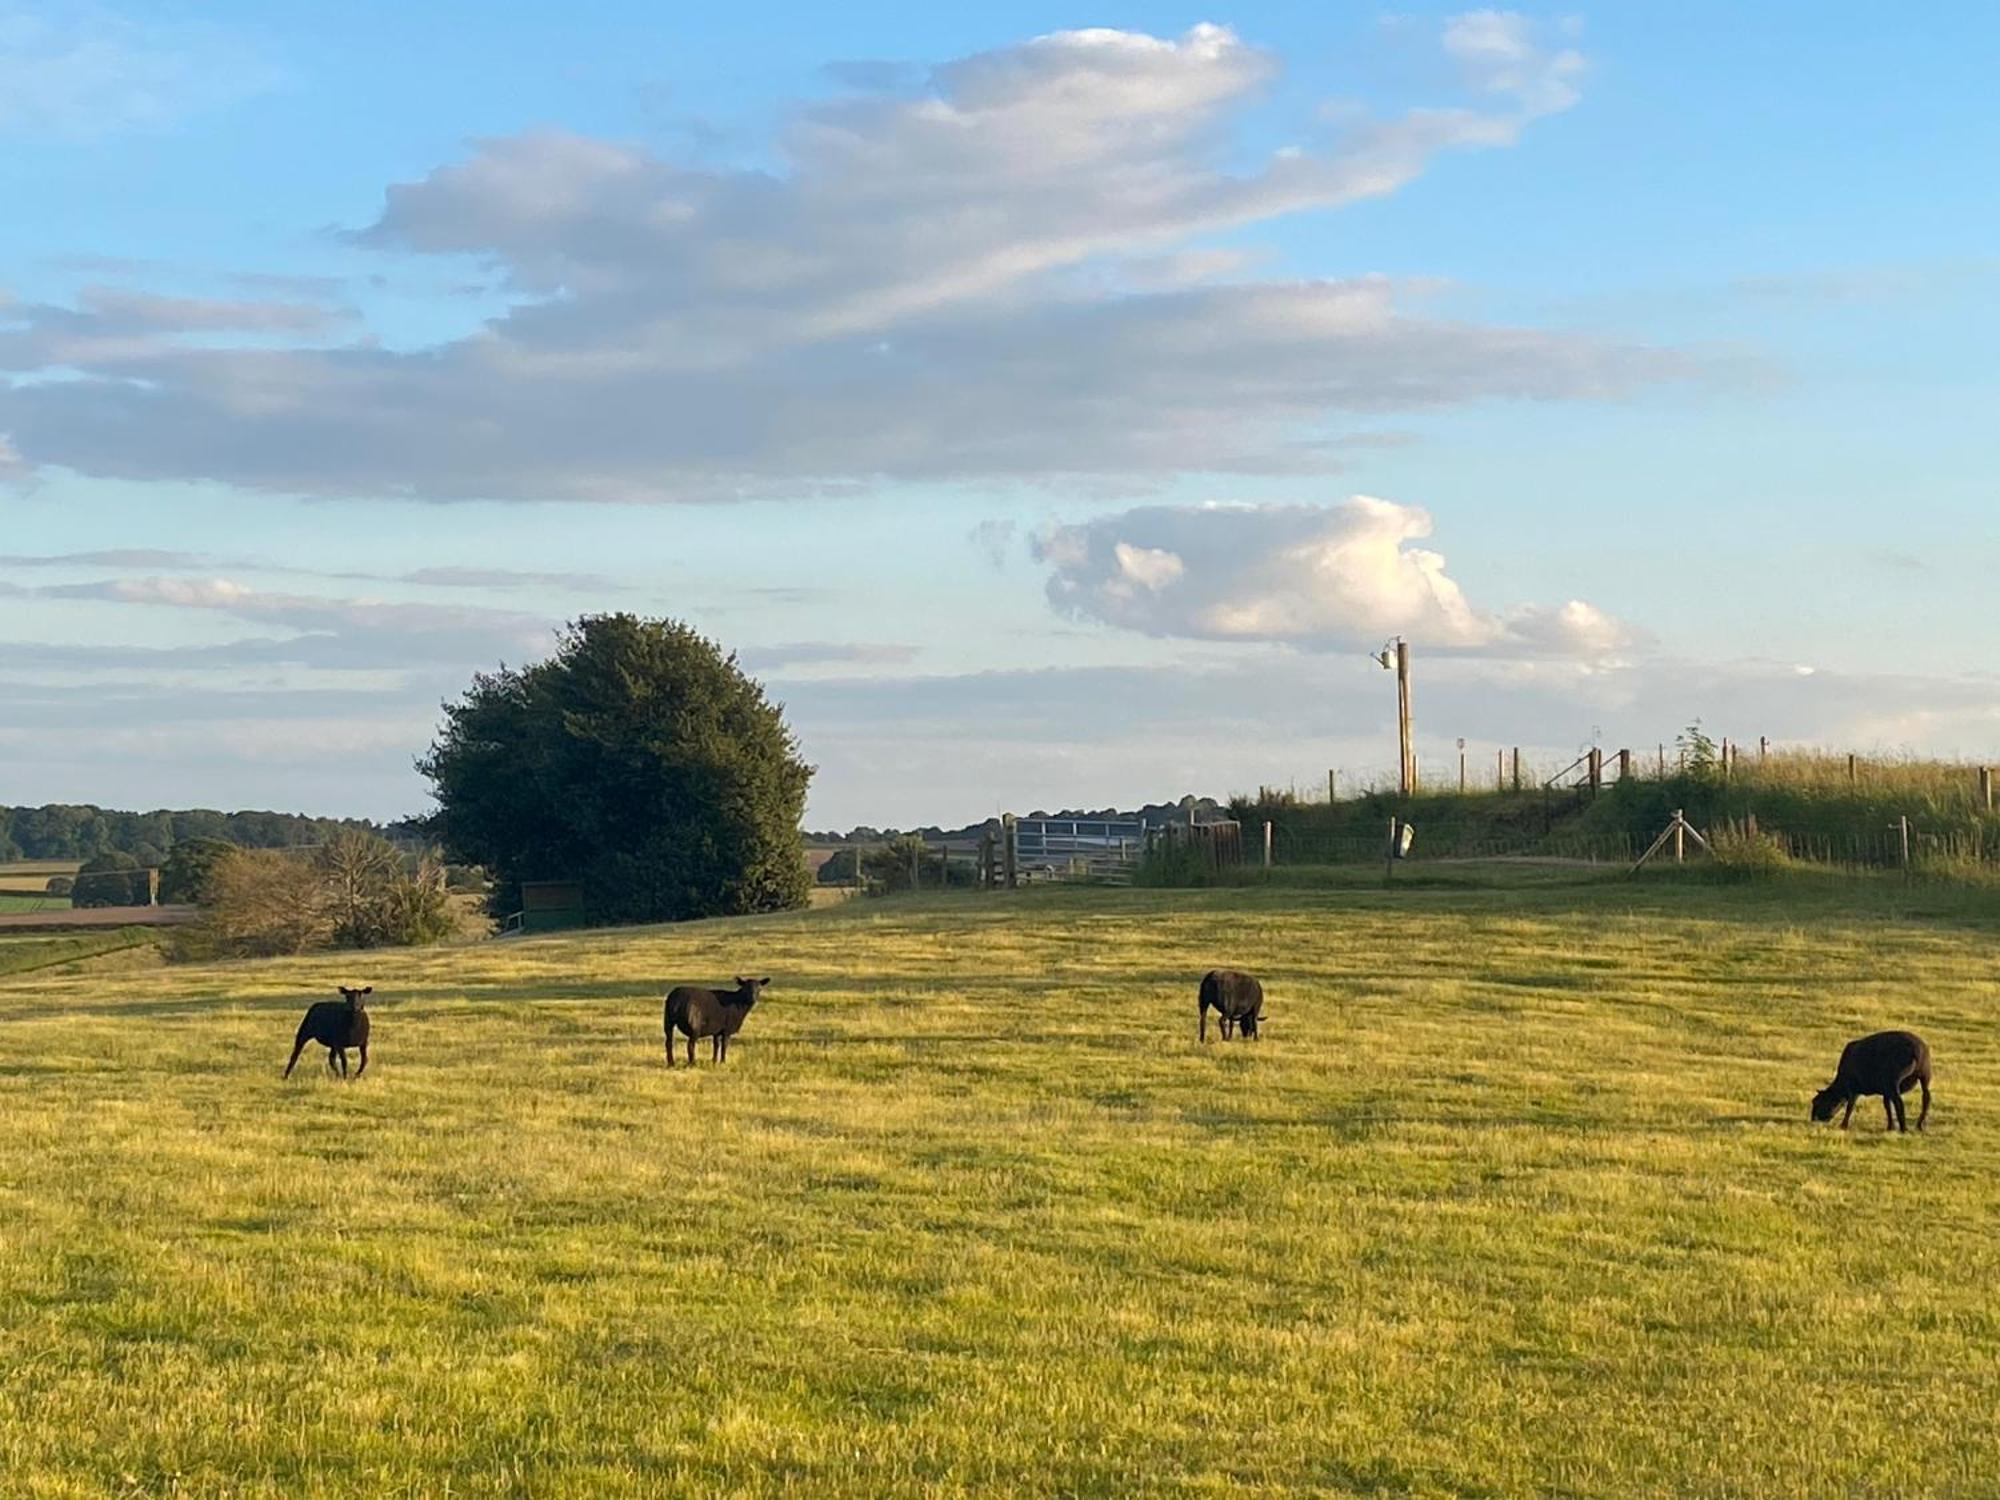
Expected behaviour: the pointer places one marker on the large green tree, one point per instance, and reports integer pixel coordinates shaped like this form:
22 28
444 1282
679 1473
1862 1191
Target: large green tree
640 761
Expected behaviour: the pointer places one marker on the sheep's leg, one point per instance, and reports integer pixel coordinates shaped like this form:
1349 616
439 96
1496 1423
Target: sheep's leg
1889 1110
1201 1031
690 1052
1228 1026
364 1061
1902 1115
670 1049
340 1056
1924 1113
1850 1110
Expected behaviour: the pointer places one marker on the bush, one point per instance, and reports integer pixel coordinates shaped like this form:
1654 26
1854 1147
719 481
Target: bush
262 903
60 885
353 893
1745 853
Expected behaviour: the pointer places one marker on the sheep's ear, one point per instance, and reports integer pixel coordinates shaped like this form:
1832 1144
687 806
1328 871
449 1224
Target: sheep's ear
765 980
367 989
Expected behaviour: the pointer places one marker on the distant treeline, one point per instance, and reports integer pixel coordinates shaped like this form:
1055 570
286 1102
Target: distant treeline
1152 812
62 831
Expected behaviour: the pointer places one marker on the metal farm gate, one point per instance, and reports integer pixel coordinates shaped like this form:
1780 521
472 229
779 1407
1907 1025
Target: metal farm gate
1076 848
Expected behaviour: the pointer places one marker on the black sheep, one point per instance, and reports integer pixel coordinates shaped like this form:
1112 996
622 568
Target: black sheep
1236 998
335 1025
716 1014
1886 1063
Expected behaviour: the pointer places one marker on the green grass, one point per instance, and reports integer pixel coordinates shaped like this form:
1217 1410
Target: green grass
26 952
1516 1197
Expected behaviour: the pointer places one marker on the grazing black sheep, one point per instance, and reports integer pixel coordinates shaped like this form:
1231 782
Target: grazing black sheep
1886 1063
716 1014
335 1025
1236 998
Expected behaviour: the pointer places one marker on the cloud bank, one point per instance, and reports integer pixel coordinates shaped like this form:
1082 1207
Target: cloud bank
1004 276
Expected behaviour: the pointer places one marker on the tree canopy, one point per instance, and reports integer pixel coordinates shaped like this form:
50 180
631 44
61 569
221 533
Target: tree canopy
639 761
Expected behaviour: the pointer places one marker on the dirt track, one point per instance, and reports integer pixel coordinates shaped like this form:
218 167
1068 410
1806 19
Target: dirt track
99 916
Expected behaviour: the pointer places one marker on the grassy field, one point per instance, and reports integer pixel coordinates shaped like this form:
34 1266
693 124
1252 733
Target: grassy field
1517 1196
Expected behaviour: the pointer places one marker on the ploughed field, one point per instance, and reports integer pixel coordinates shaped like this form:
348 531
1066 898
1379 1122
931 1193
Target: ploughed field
1515 1196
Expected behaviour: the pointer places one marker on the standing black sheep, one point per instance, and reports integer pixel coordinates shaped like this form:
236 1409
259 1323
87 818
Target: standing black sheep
717 1014
335 1025
1236 998
1886 1063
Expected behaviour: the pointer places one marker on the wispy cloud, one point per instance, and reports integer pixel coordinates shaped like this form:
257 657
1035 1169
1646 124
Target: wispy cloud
80 70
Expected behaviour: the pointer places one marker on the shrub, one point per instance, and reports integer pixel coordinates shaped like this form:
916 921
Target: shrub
1746 853
60 885
261 903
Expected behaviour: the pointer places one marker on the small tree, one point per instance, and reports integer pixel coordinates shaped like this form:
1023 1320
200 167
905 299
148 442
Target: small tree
640 761
112 879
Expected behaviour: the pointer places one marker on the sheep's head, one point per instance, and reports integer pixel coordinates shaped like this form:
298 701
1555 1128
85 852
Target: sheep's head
749 990
353 997
1826 1101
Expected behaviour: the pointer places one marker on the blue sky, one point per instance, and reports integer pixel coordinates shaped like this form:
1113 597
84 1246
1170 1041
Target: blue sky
998 381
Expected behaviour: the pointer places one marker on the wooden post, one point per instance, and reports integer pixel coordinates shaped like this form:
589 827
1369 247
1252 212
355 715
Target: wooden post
1680 836
1663 760
1624 765
1267 843
986 870
1595 770
1850 768
1986 787
1461 768
1903 826
1726 757
1332 786
1010 873
1409 760
1763 747
1517 768
1499 770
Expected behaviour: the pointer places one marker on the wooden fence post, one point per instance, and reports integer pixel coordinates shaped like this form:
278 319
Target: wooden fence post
1763 747
1680 836
1332 785
1267 843
1595 770
1009 872
1986 787
1624 765
1903 826
1850 768
1517 768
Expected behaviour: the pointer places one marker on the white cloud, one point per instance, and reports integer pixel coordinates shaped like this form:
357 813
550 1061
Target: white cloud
1001 276
80 70
1331 576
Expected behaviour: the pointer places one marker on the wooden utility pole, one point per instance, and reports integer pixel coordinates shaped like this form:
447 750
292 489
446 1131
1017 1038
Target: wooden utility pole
1461 766
1009 872
1409 776
1332 786
1499 770
1517 768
